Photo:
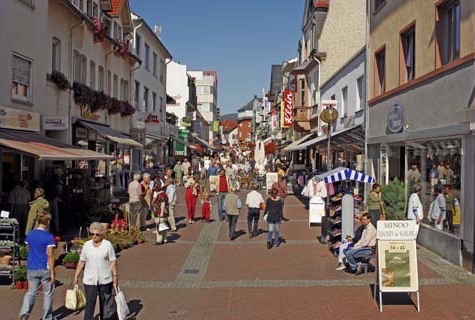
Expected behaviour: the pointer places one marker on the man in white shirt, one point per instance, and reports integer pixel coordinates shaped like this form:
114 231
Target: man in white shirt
172 200
253 202
364 246
135 203
185 167
414 208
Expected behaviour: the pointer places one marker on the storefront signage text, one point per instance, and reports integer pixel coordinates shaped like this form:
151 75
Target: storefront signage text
152 118
397 230
19 119
177 99
55 123
395 119
287 109
88 115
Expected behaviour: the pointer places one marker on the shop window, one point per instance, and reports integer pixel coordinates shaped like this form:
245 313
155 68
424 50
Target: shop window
439 165
21 78
380 72
56 55
407 55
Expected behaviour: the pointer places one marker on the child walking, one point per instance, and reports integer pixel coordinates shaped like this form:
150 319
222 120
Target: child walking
205 208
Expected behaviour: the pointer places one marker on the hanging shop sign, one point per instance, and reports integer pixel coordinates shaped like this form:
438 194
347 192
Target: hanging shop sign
395 119
19 119
287 110
55 123
215 126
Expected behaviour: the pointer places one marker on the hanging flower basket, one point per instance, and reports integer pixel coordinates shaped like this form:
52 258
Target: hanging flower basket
99 30
83 95
116 106
60 80
128 109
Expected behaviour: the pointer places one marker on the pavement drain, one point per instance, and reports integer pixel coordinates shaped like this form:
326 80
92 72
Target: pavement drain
191 271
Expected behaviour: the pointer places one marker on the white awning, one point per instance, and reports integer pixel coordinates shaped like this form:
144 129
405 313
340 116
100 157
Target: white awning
293 146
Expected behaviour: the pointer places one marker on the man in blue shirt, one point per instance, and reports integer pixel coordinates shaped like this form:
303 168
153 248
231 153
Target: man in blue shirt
41 245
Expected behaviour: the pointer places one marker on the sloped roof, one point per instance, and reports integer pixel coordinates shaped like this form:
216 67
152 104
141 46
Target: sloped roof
116 7
250 105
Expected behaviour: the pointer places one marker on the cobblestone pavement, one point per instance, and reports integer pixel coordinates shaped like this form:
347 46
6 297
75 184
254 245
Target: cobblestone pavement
201 274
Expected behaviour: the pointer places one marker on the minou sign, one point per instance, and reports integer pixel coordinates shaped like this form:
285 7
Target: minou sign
287 109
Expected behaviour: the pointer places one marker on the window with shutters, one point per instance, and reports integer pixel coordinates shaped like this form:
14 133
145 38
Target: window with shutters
92 75
56 55
21 78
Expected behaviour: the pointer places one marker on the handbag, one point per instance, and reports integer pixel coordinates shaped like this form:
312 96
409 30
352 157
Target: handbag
122 308
75 299
163 225
265 217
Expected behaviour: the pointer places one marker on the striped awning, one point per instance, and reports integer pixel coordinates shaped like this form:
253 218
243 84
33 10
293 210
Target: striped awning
342 173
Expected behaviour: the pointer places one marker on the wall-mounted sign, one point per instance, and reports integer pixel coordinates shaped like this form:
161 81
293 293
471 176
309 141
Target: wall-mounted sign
55 123
215 126
152 118
19 119
287 110
176 101
395 119
88 115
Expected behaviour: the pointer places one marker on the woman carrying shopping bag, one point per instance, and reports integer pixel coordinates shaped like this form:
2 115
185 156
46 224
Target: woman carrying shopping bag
160 213
100 274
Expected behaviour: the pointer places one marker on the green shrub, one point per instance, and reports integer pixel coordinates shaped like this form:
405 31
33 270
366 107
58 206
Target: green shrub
20 273
394 197
71 257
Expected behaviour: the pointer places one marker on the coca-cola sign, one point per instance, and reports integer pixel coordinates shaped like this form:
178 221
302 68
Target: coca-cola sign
287 109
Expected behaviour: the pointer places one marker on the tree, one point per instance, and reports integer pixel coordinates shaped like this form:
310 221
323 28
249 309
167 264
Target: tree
394 197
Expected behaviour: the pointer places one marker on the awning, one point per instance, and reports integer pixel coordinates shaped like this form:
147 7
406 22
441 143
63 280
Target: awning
150 138
110 134
179 141
293 145
204 143
46 148
346 137
343 173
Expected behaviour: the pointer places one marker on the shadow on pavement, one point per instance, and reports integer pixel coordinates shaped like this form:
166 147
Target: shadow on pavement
394 298
63 313
135 306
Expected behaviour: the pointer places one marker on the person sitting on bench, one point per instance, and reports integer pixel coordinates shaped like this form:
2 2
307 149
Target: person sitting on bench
347 244
363 247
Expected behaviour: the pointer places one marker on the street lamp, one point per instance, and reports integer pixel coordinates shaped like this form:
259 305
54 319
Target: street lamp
329 116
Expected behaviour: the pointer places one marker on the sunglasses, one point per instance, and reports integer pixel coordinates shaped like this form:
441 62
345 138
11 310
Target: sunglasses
96 234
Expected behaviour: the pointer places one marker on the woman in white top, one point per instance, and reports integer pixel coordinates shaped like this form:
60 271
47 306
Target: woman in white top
414 207
100 274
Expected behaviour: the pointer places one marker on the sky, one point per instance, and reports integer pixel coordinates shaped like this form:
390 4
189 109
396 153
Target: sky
238 39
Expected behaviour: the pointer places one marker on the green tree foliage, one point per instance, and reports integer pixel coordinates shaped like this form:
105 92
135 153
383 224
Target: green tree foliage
394 197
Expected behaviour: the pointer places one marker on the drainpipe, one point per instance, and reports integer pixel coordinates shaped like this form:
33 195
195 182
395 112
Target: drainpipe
319 97
71 70
365 114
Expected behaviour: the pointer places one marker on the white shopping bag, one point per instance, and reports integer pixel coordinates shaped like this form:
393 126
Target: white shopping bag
122 308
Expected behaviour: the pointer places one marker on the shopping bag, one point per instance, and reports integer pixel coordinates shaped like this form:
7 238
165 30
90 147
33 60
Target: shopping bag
75 299
122 308
265 217
163 226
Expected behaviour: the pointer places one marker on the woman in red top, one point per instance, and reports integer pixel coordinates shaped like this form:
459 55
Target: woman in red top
191 195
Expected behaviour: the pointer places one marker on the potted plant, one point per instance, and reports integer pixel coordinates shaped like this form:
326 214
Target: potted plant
71 260
20 278
60 80
116 106
394 197
128 109
99 30
23 252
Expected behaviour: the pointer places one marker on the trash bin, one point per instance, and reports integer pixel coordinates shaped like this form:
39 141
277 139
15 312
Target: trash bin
316 210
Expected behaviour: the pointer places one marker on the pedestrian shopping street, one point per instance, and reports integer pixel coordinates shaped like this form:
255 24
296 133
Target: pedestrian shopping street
201 274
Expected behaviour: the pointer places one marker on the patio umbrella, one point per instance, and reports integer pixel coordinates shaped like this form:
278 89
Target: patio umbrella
343 173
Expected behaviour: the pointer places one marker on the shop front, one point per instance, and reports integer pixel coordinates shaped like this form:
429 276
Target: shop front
412 132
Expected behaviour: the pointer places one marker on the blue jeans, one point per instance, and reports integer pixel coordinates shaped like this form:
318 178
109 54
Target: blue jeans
35 278
350 255
221 214
273 228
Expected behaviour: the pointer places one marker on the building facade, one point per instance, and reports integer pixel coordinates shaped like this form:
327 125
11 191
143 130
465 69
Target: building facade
421 58
149 90
247 120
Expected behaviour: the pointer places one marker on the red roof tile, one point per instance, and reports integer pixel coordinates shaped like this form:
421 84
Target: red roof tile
116 7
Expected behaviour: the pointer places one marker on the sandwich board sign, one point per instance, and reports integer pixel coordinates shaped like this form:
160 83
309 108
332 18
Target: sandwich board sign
397 258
